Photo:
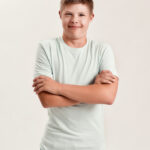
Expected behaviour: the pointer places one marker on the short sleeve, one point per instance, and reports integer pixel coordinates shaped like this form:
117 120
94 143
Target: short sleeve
42 63
107 61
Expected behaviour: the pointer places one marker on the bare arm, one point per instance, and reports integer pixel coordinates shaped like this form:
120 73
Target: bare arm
92 94
51 100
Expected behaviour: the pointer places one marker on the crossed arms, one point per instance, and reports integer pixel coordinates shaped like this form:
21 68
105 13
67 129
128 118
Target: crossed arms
97 93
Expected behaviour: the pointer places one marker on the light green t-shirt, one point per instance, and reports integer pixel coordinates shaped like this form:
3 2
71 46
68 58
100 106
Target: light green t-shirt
81 126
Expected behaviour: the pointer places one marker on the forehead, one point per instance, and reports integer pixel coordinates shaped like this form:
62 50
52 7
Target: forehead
76 8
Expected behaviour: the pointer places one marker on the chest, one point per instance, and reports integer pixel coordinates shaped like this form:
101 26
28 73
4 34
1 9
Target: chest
75 68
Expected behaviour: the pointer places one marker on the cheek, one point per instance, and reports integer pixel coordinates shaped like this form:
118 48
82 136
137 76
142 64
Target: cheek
85 22
65 23
85 25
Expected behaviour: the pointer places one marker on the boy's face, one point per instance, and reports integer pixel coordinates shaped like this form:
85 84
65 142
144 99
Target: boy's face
75 20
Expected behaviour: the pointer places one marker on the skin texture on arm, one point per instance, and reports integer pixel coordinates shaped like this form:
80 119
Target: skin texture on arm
52 100
91 94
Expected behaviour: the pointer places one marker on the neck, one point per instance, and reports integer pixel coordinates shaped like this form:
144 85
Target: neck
75 42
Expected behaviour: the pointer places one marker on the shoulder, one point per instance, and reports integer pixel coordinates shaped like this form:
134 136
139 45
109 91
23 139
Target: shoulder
47 43
102 46
46 46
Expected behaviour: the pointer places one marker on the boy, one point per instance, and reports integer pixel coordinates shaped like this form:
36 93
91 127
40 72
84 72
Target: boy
74 76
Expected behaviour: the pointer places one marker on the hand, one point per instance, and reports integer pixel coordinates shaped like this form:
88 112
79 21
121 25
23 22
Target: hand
105 76
45 83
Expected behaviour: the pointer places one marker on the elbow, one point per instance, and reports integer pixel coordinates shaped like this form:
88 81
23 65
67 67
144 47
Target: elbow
110 101
111 98
43 99
44 105
106 99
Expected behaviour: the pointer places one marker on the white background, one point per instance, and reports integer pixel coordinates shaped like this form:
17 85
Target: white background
125 24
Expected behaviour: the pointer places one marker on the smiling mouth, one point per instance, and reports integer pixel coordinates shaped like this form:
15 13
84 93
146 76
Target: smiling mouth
74 27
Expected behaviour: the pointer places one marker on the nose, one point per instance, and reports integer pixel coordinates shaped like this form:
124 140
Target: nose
74 19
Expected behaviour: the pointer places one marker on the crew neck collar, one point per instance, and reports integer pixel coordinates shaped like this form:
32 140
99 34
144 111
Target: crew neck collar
73 48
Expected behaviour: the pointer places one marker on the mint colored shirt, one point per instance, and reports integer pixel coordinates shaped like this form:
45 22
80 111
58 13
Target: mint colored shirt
81 126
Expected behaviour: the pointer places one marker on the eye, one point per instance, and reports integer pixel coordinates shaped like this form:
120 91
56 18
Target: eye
82 15
68 14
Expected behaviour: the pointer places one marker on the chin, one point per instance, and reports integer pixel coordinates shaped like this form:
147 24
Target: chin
76 36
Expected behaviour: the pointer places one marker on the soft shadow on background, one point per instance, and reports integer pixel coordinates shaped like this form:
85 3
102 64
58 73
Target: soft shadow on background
123 24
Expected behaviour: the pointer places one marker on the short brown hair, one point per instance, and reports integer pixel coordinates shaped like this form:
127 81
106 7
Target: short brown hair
89 3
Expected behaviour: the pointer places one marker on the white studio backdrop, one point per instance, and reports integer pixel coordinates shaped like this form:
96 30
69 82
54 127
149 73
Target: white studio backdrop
123 24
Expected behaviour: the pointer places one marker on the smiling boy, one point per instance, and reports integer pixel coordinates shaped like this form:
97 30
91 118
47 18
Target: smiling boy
75 21
74 76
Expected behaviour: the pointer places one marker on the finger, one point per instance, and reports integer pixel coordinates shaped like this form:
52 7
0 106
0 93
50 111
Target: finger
39 77
38 86
109 82
110 78
37 82
102 80
39 90
108 75
106 81
35 79
105 77
104 74
106 71
113 76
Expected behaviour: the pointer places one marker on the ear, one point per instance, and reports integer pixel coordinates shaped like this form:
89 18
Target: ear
92 16
60 14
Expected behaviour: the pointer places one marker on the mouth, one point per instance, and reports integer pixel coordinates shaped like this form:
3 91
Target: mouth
74 27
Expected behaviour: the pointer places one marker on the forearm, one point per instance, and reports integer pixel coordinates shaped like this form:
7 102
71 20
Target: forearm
51 100
91 94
